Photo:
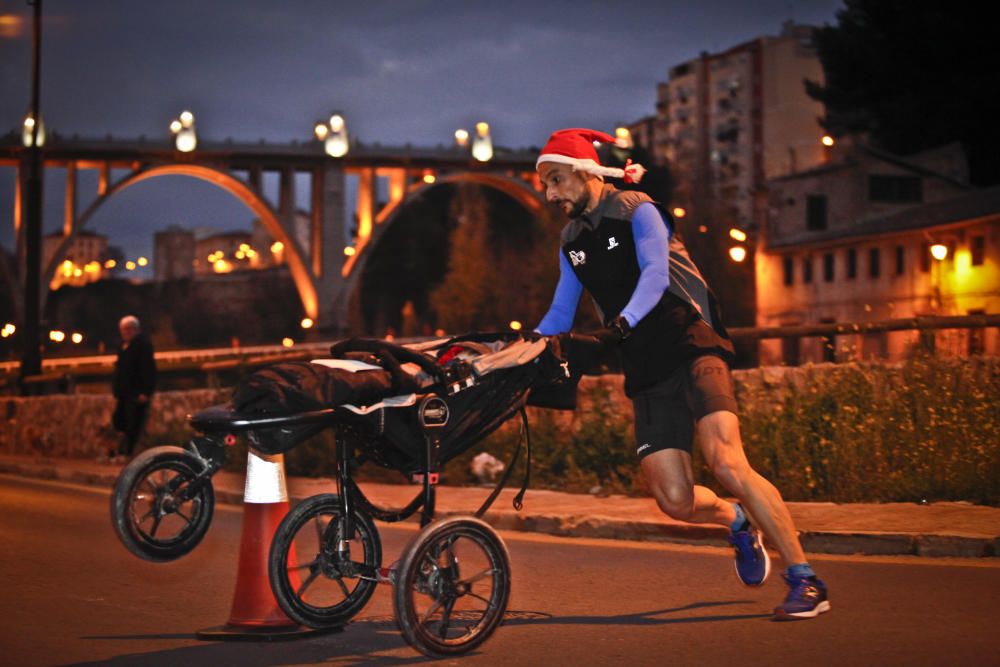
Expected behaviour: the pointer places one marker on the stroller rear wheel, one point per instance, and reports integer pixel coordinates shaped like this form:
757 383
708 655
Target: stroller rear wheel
313 583
453 586
159 508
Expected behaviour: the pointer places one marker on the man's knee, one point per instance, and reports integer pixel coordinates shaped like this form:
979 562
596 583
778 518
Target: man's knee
676 501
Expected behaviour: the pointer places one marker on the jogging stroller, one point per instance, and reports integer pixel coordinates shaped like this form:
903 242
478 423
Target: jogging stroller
410 408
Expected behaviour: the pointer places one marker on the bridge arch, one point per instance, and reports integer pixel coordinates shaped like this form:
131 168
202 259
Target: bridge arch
517 189
294 255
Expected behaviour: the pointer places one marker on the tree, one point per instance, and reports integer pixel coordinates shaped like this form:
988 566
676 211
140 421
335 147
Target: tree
915 76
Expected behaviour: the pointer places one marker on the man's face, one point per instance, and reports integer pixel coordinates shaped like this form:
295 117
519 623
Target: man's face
565 188
127 331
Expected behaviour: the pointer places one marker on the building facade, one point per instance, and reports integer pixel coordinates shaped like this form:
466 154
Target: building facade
84 261
850 242
726 122
173 253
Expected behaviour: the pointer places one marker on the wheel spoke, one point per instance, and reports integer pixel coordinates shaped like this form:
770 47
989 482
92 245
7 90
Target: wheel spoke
476 577
445 617
311 563
343 587
305 584
430 612
186 518
156 524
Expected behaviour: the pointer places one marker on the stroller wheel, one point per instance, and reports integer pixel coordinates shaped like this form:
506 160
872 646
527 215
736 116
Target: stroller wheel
314 584
158 509
453 586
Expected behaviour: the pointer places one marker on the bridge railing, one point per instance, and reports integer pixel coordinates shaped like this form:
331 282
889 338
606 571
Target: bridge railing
213 365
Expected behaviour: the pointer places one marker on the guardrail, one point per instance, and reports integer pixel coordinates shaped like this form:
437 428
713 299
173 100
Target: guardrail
63 372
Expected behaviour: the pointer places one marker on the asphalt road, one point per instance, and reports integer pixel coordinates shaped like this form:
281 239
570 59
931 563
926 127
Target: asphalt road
71 594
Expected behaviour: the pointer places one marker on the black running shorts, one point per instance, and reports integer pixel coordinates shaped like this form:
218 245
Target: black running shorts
665 413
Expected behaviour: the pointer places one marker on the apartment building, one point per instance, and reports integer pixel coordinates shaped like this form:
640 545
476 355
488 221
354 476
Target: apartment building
726 122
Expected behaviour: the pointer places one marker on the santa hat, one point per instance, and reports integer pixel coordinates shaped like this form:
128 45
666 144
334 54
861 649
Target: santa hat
575 147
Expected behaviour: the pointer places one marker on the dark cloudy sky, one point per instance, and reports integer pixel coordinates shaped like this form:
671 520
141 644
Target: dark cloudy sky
401 71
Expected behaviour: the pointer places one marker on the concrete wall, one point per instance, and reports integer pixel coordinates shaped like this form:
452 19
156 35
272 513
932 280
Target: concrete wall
76 426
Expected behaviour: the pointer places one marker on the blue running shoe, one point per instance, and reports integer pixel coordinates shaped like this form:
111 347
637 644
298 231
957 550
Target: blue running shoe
806 599
752 562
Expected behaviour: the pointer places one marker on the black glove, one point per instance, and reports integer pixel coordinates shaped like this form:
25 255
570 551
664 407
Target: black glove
614 333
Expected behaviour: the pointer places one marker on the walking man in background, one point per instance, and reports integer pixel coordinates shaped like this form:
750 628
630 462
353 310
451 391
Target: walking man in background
621 247
133 384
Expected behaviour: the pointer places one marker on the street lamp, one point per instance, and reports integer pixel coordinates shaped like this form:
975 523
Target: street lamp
185 138
482 145
333 134
461 138
738 253
827 140
30 134
939 251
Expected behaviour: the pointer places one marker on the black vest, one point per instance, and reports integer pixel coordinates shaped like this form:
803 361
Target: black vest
603 256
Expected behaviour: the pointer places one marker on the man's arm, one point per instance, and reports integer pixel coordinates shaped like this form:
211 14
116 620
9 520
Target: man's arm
559 319
652 249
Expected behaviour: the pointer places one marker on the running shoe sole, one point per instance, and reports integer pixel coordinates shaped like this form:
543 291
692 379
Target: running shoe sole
822 607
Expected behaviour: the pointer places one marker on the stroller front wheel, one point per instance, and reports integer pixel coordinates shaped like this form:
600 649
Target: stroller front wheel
453 586
159 508
313 582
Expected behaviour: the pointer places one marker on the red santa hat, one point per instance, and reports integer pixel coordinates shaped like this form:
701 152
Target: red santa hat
575 147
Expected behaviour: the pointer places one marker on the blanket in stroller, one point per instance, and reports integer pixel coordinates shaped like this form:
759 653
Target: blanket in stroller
485 378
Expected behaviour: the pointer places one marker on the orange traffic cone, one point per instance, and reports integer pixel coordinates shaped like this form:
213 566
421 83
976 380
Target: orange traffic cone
255 613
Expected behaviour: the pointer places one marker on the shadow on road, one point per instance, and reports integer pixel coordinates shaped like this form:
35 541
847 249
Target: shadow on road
640 618
369 640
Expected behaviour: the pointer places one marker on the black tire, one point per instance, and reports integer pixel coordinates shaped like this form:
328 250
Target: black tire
148 517
438 609
324 597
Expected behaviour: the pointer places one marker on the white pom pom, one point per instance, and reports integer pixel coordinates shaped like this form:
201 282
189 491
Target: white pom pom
634 173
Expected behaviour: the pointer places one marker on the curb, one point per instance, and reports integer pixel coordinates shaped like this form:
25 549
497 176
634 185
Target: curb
926 545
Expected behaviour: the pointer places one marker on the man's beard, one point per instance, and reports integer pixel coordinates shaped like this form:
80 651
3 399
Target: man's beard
579 205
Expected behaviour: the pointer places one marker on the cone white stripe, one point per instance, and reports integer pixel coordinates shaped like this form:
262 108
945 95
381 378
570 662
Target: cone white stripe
265 479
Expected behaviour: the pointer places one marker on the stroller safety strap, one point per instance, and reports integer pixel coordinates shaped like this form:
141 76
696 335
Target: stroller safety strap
403 401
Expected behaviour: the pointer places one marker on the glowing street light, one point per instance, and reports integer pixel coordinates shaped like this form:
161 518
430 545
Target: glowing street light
185 138
29 131
277 247
482 145
287 342
350 251
130 265
623 138
738 235
57 336
827 140
515 325
738 253
333 134
77 338
429 178
8 330
142 261
461 138
939 251
110 264
679 212
307 323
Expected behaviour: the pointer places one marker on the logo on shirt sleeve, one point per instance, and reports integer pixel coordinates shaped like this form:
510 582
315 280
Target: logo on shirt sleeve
612 243
577 257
